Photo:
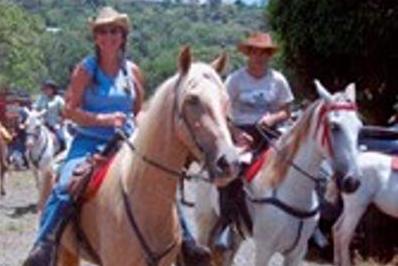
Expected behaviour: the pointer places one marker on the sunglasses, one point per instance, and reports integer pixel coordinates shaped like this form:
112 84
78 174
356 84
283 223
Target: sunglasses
108 30
259 51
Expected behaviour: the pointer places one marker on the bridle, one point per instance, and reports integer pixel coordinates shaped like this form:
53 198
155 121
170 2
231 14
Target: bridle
323 125
152 258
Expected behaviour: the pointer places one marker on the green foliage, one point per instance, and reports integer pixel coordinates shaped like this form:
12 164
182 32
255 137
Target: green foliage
20 53
341 42
159 30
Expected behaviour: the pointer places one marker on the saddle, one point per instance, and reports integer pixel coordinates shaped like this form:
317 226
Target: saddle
88 177
86 180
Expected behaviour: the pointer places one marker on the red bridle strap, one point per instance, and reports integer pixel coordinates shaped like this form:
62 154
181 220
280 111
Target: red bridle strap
324 110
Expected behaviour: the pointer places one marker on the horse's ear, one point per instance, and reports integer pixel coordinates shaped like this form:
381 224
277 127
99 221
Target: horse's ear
350 92
322 91
184 60
220 63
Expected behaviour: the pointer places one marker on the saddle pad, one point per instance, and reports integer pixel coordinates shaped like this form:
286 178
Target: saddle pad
252 170
97 178
394 163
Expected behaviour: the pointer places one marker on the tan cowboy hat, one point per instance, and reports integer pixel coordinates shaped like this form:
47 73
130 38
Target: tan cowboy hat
109 16
258 40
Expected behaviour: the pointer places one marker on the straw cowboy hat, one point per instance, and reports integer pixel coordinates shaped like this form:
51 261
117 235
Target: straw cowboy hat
109 16
257 40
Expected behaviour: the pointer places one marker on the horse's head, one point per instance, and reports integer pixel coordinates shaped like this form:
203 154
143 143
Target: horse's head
32 125
337 129
201 110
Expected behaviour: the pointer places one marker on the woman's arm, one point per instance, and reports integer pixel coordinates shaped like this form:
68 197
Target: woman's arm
80 79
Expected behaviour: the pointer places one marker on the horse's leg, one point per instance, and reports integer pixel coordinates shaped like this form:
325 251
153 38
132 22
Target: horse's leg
204 214
67 258
263 254
2 180
206 218
344 229
229 256
296 257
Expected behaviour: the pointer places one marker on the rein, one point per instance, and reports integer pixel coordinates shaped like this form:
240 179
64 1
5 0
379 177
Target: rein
293 164
151 257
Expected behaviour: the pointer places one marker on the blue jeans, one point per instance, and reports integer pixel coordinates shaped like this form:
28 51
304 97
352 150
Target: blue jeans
60 203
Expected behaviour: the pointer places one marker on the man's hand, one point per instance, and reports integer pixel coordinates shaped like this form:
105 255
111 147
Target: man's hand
268 120
243 139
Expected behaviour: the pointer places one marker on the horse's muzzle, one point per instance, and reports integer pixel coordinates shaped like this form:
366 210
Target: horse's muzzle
348 184
224 170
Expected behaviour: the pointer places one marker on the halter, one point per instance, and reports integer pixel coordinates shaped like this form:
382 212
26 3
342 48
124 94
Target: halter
323 125
325 140
152 258
177 112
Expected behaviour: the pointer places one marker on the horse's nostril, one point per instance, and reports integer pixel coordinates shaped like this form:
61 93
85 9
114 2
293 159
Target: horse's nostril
350 184
222 163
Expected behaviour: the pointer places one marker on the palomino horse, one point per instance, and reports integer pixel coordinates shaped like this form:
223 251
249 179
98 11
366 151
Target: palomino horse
133 220
41 148
379 185
281 198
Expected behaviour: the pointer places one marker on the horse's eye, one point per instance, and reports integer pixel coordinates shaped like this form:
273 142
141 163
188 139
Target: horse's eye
193 100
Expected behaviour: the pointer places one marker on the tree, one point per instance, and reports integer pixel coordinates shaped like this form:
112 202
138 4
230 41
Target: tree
21 59
341 42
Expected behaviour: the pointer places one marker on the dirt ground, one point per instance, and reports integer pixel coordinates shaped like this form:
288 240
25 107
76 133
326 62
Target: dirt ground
18 223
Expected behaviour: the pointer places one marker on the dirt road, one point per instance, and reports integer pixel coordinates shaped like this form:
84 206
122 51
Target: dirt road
18 222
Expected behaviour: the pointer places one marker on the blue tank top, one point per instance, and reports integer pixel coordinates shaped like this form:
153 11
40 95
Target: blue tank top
108 94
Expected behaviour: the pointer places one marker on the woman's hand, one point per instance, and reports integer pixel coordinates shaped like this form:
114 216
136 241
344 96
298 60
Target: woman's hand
116 119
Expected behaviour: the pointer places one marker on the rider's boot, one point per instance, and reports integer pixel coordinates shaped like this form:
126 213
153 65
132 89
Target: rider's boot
192 252
57 213
42 254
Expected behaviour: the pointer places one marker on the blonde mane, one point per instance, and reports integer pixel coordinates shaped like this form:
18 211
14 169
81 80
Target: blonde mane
275 170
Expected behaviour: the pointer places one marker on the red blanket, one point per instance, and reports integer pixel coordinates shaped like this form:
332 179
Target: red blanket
98 178
256 165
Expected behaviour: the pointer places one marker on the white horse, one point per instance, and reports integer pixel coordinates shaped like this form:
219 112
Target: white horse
379 185
42 147
283 203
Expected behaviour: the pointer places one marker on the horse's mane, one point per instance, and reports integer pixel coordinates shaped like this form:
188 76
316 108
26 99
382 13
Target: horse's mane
157 108
287 146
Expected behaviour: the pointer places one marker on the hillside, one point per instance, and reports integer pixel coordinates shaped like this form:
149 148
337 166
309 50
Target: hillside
159 29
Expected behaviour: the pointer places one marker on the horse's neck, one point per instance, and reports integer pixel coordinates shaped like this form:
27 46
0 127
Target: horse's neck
297 187
43 140
151 190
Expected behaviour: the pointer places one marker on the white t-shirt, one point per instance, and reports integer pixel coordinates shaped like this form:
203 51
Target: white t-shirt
251 98
53 106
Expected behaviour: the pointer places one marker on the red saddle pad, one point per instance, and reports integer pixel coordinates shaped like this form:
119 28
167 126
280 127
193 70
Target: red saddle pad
98 178
256 165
